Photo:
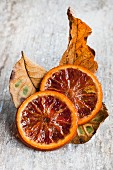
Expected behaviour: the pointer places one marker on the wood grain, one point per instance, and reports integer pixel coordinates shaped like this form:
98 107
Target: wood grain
40 29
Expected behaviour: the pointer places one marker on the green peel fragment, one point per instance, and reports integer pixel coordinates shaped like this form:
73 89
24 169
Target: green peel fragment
89 129
80 130
25 90
18 83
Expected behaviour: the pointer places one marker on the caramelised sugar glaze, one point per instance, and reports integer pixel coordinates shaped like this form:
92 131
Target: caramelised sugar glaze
77 86
46 119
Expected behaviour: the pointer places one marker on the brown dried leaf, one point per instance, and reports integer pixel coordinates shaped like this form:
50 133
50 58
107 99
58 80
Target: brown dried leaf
86 131
78 52
24 79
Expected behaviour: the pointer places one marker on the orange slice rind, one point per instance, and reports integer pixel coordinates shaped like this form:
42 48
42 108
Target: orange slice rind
80 85
46 120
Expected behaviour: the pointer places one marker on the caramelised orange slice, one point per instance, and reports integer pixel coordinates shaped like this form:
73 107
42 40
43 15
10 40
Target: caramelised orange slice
47 120
79 85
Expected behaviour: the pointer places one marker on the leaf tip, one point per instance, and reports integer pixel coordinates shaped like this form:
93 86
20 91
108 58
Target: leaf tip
22 53
70 12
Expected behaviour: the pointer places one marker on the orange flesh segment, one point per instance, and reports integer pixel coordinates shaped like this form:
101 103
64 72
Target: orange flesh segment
79 85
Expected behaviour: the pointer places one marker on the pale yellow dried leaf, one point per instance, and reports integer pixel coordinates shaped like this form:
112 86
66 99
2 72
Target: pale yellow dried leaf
20 84
35 71
25 79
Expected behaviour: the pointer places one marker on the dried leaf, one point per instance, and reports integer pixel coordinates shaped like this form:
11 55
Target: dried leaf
78 52
24 80
34 71
86 131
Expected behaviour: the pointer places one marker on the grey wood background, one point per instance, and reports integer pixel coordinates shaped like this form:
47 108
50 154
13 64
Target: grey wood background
40 29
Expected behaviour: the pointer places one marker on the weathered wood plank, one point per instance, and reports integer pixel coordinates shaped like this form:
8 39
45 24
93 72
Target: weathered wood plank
40 28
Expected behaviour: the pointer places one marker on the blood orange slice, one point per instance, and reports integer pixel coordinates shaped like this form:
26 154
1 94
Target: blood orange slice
47 120
79 85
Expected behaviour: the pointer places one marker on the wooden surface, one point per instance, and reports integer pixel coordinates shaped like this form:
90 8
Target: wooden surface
40 29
